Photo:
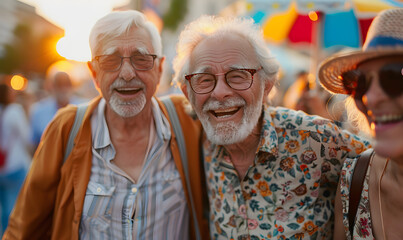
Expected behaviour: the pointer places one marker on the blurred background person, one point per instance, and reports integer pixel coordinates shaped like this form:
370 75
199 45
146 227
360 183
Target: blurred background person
302 95
61 94
374 79
294 92
305 96
15 142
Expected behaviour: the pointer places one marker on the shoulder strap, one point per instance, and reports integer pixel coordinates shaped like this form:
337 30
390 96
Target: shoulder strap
81 108
173 116
357 181
2 108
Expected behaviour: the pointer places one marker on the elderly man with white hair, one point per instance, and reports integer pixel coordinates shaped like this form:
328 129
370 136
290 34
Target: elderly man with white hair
271 172
125 177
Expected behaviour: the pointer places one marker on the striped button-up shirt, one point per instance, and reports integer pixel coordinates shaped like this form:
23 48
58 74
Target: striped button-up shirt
116 206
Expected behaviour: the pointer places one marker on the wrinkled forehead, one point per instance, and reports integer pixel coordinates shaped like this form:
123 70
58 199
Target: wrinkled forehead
222 52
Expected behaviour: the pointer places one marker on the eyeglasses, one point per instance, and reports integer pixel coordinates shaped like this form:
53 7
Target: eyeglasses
237 79
356 83
111 63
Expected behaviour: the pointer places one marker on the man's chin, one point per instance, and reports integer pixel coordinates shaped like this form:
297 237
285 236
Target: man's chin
217 140
227 135
127 109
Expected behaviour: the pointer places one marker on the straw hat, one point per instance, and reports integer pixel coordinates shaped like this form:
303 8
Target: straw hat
384 38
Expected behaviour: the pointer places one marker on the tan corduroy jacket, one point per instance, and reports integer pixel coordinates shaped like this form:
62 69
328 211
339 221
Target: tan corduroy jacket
51 201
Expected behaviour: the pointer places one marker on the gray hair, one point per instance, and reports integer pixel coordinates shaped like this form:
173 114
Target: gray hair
119 23
207 26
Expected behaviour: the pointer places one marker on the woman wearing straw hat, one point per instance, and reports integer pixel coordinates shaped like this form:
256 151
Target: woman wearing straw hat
374 79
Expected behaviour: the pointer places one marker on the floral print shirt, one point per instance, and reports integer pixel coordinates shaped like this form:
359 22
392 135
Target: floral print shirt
363 223
288 193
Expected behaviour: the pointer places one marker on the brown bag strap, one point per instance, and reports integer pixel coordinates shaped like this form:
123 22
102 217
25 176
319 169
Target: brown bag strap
357 182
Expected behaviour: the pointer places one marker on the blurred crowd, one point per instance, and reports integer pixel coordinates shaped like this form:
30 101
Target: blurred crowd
23 118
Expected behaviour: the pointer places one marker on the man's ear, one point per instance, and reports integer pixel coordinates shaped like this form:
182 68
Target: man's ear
184 88
161 65
93 72
267 87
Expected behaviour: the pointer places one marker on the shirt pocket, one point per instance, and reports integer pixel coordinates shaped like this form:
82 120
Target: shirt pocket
97 210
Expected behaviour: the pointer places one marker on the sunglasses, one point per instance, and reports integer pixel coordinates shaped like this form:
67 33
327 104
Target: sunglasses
357 83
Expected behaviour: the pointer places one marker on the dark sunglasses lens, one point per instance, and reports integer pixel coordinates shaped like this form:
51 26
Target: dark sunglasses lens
362 86
349 80
391 79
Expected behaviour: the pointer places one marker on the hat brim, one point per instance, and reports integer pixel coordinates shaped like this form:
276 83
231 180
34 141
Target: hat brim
330 71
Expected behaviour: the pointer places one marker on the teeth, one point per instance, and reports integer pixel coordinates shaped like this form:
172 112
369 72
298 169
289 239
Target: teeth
127 89
224 113
225 110
388 118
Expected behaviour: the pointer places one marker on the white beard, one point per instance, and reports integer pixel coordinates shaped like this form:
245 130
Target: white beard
125 108
226 133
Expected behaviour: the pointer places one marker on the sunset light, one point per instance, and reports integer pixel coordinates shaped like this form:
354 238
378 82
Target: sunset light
76 17
18 82
74 48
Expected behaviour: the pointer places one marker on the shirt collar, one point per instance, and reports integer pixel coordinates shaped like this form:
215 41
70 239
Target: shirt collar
102 138
269 138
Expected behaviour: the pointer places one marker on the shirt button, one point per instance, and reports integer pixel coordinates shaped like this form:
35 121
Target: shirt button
99 189
134 190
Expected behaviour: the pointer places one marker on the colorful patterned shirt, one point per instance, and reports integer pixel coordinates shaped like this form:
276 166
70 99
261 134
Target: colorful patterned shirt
363 223
288 193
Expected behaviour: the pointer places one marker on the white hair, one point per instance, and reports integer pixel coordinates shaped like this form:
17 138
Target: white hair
208 26
119 23
358 122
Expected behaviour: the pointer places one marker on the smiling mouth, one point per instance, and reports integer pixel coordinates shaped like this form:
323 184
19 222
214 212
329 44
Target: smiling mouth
385 119
127 91
224 113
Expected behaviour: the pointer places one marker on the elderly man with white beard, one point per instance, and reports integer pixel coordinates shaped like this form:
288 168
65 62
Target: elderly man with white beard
270 172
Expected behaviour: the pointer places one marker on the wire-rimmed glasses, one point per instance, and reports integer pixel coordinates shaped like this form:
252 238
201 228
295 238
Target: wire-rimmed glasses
111 63
237 79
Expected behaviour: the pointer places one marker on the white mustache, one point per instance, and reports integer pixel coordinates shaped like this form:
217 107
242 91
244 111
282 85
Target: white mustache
213 104
120 83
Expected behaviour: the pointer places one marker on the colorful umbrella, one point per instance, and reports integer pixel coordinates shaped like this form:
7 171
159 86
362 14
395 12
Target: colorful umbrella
343 23
320 24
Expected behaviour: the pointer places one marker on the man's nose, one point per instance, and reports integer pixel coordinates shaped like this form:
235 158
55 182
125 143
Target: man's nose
127 71
222 90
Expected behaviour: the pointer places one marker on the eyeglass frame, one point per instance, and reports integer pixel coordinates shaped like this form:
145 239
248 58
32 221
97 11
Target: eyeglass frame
154 56
252 71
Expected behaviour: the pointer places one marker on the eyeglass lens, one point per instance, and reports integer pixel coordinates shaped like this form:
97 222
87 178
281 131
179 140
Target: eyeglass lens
114 62
239 79
390 76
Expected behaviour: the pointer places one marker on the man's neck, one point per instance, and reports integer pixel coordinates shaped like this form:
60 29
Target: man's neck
242 154
130 138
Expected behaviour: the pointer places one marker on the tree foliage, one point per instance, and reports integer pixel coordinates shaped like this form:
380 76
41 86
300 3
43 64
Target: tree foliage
176 13
29 53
